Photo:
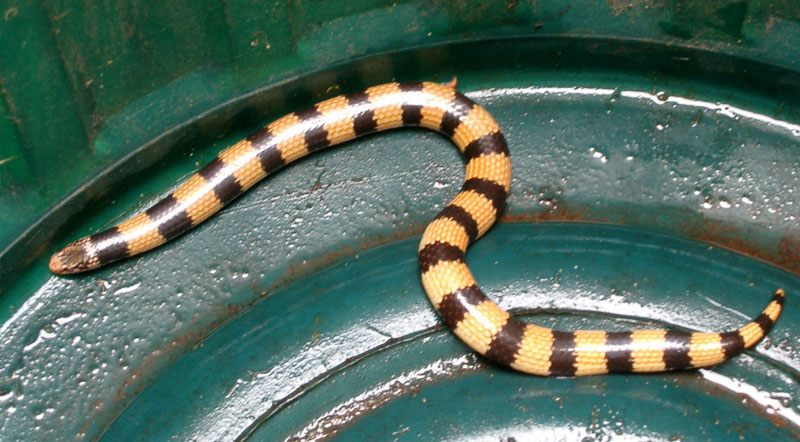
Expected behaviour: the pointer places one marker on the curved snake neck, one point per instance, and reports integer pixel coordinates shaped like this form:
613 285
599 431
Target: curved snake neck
474 318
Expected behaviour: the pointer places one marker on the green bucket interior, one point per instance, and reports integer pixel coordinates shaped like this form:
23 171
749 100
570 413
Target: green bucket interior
656 183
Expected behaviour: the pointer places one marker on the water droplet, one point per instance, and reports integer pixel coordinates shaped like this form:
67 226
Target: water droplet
598 154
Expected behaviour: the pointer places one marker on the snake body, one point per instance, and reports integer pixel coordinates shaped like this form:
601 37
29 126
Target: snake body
478 321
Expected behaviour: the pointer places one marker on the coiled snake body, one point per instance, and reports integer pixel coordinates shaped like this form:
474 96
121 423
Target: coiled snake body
478 321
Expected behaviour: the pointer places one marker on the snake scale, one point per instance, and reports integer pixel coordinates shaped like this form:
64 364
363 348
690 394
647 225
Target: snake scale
479 322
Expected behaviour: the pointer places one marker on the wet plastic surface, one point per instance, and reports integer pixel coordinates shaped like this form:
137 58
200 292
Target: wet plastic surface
360 356
642 140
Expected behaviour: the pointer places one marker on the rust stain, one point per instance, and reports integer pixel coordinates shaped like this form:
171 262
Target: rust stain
517 218
694 380
785 255
309 266
566 213
233 309
556 212
789 252
619 6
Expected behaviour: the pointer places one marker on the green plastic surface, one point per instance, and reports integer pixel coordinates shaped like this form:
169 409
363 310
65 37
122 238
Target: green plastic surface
656 155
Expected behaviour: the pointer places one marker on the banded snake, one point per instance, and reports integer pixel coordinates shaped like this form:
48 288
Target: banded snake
479 322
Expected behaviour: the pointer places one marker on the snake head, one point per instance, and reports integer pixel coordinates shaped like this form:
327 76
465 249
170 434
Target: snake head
74 258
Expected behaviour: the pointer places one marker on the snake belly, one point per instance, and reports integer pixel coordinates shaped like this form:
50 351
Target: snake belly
476 320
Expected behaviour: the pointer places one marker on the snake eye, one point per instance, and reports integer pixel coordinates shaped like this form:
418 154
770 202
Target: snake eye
73 258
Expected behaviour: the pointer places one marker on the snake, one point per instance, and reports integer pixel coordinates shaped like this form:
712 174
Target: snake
479 322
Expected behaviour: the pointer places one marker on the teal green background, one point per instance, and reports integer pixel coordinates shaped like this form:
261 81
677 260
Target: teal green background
656 183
